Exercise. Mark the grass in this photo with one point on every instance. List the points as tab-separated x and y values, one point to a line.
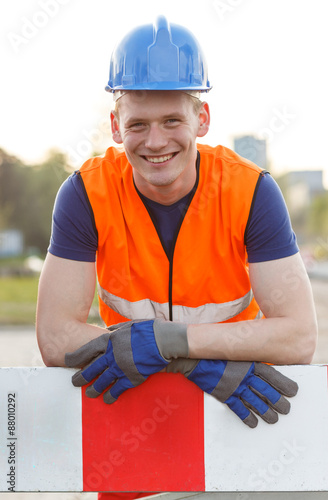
18	296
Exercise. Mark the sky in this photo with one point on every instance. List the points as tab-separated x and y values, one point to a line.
267	63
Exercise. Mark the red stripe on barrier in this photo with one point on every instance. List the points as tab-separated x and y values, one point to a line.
151	439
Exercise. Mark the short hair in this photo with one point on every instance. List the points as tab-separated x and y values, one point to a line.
197	104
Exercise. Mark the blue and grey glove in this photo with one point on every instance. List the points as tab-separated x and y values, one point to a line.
126	356
246	388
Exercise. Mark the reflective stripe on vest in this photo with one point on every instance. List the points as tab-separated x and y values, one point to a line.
148	309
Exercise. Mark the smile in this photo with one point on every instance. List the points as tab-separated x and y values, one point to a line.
159	159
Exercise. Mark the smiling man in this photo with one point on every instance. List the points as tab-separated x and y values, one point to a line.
197	265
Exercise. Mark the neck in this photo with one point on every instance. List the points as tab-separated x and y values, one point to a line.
165	195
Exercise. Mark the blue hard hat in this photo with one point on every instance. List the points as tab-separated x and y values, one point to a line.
158	56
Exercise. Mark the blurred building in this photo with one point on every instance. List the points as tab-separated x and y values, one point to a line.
252	149
11	243
300	187
312	179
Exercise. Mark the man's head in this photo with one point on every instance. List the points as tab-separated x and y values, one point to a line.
156	76
158	130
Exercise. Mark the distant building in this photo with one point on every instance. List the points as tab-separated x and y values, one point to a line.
312	179
252	149
11	243
300	187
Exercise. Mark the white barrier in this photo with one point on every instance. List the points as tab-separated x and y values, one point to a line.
165	435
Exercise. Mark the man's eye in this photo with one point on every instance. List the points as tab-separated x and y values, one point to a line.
172	120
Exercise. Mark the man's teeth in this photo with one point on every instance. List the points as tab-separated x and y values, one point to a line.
159	159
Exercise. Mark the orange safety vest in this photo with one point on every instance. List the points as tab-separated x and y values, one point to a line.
206	279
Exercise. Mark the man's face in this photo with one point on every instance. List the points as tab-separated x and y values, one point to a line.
158	130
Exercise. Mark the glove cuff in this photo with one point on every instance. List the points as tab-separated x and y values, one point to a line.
171	339
182	365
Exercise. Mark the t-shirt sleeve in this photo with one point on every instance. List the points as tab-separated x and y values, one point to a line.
269	234
73	234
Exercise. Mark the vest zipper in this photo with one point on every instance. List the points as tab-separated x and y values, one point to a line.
171	253
170	257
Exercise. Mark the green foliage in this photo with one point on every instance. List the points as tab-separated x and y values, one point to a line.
27	195
318	216
310	219
18	300
18	297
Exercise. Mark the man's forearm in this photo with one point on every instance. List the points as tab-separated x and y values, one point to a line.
55	340
271	340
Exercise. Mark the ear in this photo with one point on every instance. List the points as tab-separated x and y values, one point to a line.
204	120
115	128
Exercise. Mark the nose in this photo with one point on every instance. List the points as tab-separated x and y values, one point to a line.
156	138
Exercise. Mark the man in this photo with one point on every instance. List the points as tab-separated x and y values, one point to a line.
193	246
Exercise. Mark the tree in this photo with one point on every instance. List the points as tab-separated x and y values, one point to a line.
12	186
27	195
318	216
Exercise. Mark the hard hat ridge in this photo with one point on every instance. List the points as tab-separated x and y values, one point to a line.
163	55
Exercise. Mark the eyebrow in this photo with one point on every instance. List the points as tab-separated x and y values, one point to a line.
164	117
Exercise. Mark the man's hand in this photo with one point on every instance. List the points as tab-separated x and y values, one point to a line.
247	388
126	356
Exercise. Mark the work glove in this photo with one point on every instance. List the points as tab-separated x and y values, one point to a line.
127	355
247	388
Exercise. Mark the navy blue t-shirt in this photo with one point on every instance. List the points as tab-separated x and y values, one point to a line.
269	234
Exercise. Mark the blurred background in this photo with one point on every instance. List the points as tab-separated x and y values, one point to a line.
267	64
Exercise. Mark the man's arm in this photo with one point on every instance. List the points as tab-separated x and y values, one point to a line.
287	334
66	292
